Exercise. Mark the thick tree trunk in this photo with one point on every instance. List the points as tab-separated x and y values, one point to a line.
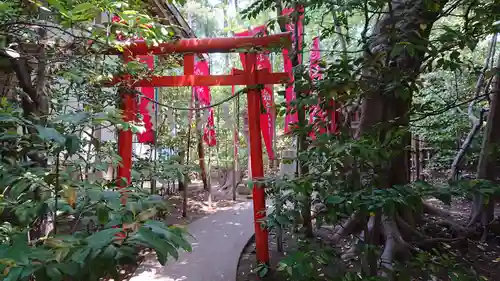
385	112
388	84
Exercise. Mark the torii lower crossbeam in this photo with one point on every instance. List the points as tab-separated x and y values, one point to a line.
264	77
250	77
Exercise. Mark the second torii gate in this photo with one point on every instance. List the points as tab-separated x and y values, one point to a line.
251	77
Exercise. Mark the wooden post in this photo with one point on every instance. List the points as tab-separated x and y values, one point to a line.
128	105
417	158
236	138
256	164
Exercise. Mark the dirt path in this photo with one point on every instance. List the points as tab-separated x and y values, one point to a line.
198	206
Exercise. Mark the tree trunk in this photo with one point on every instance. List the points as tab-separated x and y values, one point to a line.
488	159
201	150
386	111
388	84
236	138
418	167
476	122
35	104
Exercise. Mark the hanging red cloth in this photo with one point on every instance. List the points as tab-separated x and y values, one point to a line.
315	111
290	95
205	98
146	106
328	119
267	121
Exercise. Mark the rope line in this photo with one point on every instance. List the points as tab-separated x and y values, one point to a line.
236	94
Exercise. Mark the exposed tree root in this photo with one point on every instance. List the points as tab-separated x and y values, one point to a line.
476	215
433	243
373	230
456	227
409	231
482	215
352	253
372	237
397	237
476	210
431	210
448	220
394	243
348	227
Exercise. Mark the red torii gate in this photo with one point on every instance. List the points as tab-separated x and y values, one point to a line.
251	77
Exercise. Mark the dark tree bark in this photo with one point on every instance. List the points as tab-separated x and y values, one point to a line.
201	150
389	74
35	104
476	122
489	157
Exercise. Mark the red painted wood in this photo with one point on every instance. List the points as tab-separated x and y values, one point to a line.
256	162
128	105
188	64
209	45
263	77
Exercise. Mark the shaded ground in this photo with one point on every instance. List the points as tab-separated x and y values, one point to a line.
483	257
198	205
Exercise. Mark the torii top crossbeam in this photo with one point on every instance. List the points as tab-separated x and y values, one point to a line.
189	47
208	45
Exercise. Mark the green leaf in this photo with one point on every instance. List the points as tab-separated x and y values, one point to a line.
161	246
14	274
53	273
102	214
19	250
83	7
281	266
57	4
109	253
146	214
170	233
262	269
334	199
72	144
177	236
70	268
50	134
126	252
102	238
81	255
73	118
61	253
110	195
